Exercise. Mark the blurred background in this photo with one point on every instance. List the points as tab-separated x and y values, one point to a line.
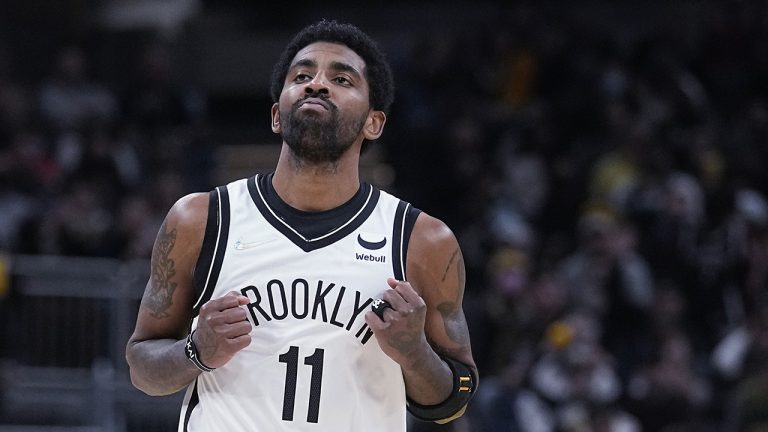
603	165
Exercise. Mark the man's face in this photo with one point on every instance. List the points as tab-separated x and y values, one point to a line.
324	104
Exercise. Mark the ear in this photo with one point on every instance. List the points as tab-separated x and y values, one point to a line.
374	126
276	119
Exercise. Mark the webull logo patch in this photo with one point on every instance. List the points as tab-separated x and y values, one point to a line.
375	245
367	246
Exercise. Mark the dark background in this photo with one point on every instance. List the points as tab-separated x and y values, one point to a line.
601	163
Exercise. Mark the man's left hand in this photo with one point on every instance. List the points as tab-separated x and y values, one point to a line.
401	331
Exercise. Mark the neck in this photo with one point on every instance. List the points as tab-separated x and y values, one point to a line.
316	187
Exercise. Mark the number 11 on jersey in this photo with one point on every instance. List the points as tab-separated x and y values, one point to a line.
315	361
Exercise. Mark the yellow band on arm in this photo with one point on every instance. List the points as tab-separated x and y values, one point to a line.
464	386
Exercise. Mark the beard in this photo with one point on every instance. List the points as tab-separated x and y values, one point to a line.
314	138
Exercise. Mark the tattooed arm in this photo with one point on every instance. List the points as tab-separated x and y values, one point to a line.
155	351
427	320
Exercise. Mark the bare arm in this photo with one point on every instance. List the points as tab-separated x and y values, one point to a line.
427	320
155	351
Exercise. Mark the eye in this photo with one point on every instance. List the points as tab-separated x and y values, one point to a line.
343	80
301	77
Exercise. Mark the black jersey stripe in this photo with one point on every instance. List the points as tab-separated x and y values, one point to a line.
405	219
398	254
208	249
411	214
219	248
256	188
194	400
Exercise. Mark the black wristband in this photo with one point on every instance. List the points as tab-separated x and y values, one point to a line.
190	349
464	385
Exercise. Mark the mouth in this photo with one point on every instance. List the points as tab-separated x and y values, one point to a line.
315	103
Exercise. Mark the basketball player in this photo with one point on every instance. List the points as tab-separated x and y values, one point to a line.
304	299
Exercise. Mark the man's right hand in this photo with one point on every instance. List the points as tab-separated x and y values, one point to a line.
222	330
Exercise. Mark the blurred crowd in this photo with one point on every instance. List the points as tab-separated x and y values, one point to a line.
607	185
90	168
610	197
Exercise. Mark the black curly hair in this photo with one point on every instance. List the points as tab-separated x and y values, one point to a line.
377	69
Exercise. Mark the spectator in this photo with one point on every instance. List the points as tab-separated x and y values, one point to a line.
70	98
670	391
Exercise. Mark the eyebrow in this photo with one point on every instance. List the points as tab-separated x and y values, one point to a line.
304	63
344	67
337	66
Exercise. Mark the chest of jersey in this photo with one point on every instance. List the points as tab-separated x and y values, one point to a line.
309	287
311	355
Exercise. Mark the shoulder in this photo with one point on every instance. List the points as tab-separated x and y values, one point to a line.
430	233
184	226
189	212
180	238
433	253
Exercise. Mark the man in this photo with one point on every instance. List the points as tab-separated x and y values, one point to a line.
315	301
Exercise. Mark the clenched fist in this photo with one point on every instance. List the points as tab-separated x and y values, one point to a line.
222	330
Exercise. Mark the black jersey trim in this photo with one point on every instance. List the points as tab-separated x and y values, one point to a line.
256	187
405	219
218	216
194	400
207	250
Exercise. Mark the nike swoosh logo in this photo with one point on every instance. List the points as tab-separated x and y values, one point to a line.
241	245
371	245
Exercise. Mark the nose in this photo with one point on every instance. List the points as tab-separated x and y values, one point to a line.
317	85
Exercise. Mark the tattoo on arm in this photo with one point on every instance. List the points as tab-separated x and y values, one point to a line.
454	323
450	262
160	293
461	271
453	318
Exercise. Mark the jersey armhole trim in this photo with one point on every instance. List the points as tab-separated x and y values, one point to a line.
214	245
405	219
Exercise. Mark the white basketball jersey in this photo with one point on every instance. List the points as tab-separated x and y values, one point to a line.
313	363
